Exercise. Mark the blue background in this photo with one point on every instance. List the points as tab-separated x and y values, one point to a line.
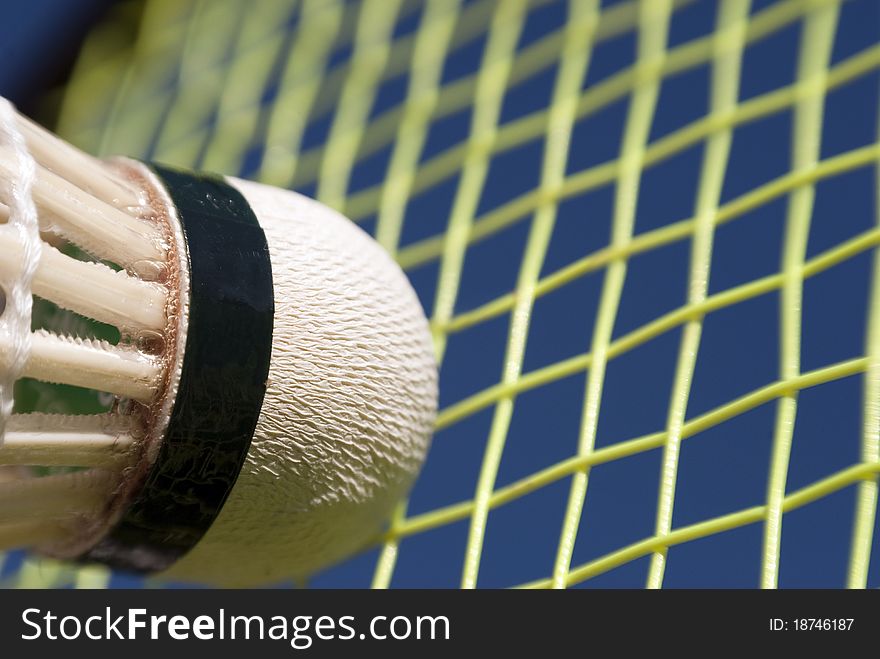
723	469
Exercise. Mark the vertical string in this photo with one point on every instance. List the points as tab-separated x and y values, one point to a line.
15	319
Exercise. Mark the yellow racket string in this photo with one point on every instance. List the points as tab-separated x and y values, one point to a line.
234	87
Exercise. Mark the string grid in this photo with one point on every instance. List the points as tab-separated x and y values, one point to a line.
312	95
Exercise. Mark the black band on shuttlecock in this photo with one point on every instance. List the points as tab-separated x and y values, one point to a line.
222	381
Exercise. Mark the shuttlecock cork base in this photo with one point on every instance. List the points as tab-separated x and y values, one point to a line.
275	387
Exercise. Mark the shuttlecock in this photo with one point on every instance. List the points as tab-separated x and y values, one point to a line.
274	386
